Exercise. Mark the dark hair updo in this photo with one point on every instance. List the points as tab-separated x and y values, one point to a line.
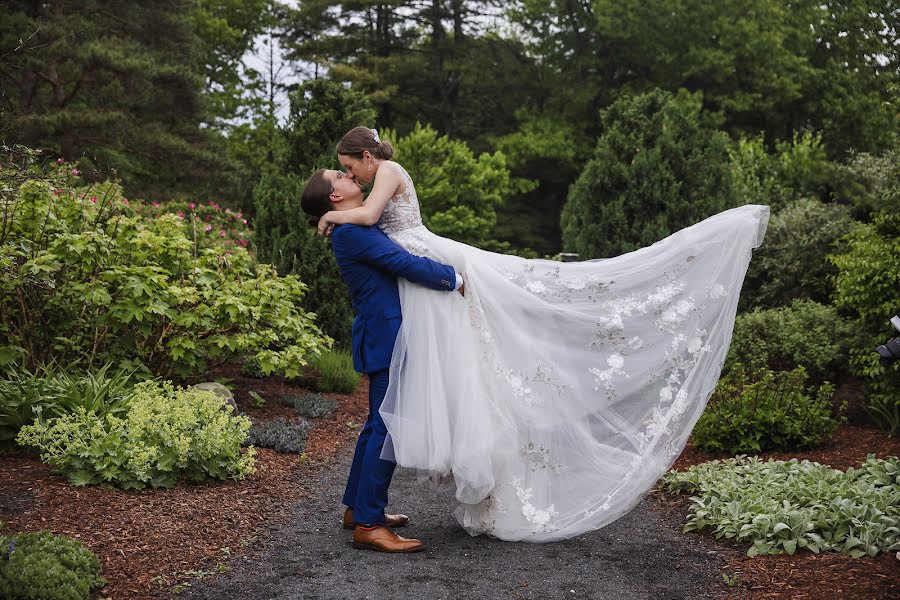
315	199
359	139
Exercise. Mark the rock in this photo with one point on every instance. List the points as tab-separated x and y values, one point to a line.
221	391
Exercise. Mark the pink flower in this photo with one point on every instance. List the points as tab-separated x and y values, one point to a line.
180	215
208	228
94	199
222	233
125	201
57	192
206	218
192	206
245	221
75	172
155	204
59	160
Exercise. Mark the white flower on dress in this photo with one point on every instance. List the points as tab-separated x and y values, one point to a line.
536	287
615	361
665	394
695	344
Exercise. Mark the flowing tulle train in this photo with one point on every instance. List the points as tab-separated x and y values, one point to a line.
554	395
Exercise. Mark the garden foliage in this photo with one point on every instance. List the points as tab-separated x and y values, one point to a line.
868	286
770	411
280	435
313	406
87	280
43	566
52	392
167	434
334	372
657	168
802	334
780	507
793	261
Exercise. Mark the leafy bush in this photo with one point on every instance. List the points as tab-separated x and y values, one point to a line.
167	433
793	263
805	334
280	435
53	392
458	193
869	182
206	225
313	406
780	506
43	566
797	168
773	412
335	372
250	367
868	285
86	281
655	170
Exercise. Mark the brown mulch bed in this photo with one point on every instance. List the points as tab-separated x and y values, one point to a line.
806	575
152	540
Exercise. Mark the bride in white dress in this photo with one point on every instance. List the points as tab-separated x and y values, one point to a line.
553	395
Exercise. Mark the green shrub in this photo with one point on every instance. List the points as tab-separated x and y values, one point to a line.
167	433
87	280
780	506
206	225
312	406
53	392
797	168
335	372
250	367
793	261
805	334
868	285
656	169
770	413
43	566
280	435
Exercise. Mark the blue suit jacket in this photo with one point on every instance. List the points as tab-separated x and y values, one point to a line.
370	263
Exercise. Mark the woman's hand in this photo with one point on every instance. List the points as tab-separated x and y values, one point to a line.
325	226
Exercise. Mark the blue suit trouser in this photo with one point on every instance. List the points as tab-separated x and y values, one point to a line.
370	476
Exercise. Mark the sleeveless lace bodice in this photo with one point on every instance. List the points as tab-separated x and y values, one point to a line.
402	210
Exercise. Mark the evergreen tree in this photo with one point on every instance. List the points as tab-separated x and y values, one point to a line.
321	112
112	87
656	169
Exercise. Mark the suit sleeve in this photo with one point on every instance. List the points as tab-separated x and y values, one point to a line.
372	246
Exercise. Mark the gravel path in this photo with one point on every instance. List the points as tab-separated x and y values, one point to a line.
309	557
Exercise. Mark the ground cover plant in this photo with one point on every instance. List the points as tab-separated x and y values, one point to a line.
167	434
313	406
279	434
782	506
43	566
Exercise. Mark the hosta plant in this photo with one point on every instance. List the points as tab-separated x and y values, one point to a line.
167	434
782	506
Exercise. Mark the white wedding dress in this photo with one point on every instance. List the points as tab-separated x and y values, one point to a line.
554	395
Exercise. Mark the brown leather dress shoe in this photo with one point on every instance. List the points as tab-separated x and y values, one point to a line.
382	539
389	520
